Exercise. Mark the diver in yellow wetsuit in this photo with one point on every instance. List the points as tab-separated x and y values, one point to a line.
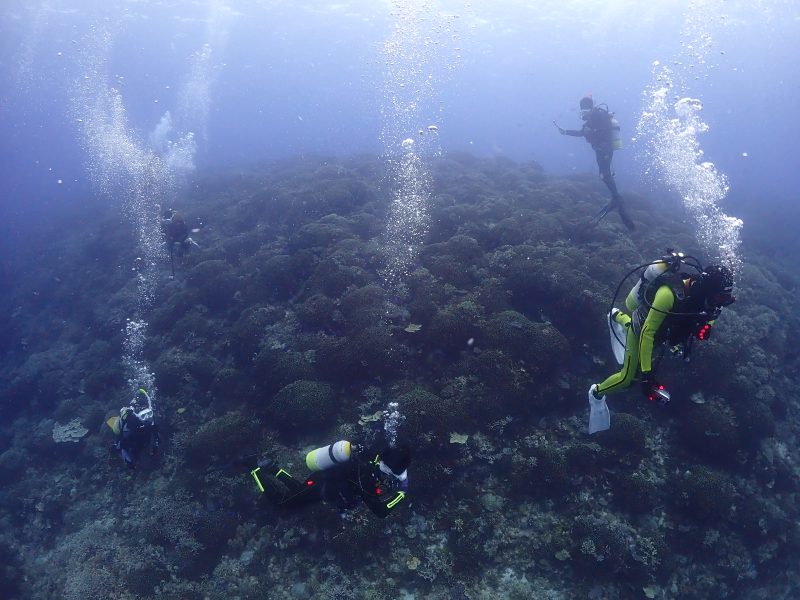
667	307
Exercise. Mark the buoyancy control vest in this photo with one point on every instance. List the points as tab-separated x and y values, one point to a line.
600	128
687	315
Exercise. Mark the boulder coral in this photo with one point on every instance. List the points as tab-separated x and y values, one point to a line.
283	332
304	405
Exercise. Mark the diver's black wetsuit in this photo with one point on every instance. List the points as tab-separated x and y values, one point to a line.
134	435
176	232
345	486
598	132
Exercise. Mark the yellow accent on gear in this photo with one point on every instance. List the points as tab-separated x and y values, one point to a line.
254	473
398	498
662	303
623	378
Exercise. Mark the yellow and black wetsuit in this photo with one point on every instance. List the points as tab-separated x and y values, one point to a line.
669	316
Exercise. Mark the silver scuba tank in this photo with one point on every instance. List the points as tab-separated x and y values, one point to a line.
636	295
616	139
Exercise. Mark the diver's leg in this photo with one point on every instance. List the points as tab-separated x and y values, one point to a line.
630	366
273	488
604	164
292	484
300	493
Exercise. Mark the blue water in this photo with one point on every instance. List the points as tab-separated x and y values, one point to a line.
116	107
291	79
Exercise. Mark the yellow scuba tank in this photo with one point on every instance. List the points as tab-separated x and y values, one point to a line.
328	456
616	140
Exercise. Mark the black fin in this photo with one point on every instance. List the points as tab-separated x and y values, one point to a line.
626	219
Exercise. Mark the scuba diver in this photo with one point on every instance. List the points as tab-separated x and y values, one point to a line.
134	430
343	475
667	306
177	233
601	130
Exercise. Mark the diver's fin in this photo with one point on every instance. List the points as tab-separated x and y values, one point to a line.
603	212
618	337
599	417
626	219
113	423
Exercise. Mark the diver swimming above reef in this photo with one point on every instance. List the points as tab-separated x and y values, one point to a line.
343	475
668	306
176	233
601	130
134	430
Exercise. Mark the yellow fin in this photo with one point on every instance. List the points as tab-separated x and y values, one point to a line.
413	328
113	423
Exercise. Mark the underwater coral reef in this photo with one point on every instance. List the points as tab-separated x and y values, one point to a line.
277	336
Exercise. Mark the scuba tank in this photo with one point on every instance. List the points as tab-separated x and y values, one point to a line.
616	140
649	275
671	262
328	456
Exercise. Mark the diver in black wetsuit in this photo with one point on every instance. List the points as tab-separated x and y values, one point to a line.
343	476
601	131
176	233
134	431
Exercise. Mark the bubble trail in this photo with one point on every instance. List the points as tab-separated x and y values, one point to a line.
124	169
670	127
410	80
392	420
416	61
